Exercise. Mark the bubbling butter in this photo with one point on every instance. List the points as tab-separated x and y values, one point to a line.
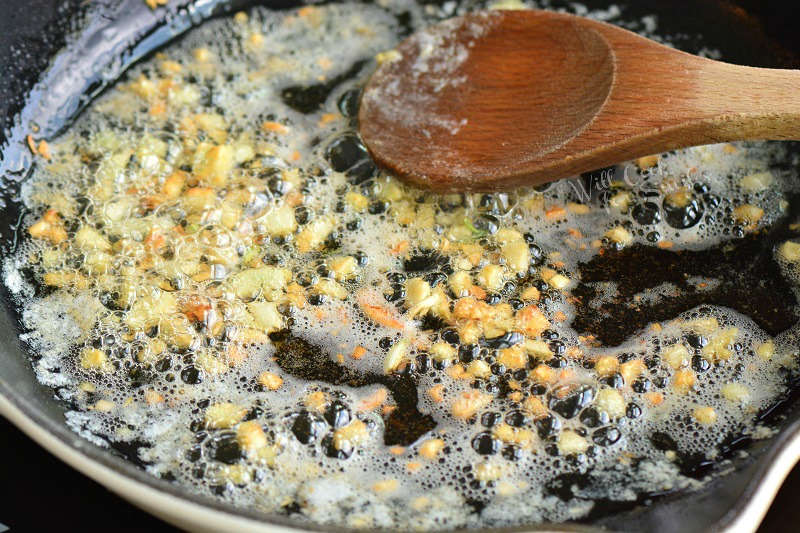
215	271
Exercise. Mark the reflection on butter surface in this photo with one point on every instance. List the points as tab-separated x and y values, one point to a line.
216	276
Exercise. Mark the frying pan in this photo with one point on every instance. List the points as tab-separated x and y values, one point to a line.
56	55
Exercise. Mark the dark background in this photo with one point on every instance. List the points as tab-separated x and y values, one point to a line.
40	493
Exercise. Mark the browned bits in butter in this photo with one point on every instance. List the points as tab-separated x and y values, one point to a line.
251	436
153	4
221	263
270	380
469	403
49	227
431	448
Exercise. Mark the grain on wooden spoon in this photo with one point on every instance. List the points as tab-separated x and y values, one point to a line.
499	99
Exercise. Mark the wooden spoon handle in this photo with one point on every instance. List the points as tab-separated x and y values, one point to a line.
699	101
540	96
750	103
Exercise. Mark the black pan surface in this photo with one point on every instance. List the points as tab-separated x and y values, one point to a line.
753	32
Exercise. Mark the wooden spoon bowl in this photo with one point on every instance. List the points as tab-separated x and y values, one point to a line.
500	99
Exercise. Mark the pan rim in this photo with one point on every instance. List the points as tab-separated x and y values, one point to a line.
168	501
182	508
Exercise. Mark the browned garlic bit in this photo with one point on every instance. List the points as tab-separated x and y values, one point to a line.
215	268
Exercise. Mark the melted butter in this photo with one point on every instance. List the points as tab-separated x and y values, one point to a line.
226	284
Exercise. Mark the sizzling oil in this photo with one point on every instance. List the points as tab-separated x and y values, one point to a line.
667	288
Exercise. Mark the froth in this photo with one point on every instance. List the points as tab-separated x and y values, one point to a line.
322	445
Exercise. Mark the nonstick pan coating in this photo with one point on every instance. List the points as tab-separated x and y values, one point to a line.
752	32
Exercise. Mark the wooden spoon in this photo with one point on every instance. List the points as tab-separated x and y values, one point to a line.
500	99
